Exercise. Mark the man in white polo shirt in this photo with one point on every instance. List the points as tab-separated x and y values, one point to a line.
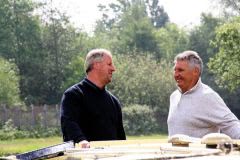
196	109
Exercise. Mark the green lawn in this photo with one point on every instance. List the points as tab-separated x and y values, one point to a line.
26	145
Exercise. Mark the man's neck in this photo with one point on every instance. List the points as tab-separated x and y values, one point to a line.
193	86
94	79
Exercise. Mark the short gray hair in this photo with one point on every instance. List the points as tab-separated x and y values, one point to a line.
193	59
95	55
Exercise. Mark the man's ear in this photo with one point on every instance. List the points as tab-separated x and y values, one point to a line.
196	71
96	65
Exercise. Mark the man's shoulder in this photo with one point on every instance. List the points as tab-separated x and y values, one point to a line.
175	93
113	97
206	93
207	90
76	88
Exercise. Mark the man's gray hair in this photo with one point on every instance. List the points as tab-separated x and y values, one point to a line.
193	59
95	55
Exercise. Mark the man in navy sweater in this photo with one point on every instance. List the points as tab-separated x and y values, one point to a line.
89	112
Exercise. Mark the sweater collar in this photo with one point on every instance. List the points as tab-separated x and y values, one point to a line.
91	84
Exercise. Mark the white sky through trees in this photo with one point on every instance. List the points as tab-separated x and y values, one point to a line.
84	13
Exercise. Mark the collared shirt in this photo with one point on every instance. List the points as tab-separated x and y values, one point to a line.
200	111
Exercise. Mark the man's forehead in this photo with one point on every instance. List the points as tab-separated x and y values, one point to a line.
107	58
108	55
181	62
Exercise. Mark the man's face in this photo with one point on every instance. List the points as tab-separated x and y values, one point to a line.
185	76
106	69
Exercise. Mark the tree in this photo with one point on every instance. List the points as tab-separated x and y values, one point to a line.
113	12
158	16
20	41
41	44
170	40
132	26
142	80
225	63
134	31
58	47
229	7
201	36
74	72
9	82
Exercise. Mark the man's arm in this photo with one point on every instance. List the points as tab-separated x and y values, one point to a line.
221	116
121	132
69	117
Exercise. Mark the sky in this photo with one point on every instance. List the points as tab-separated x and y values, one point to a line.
84	13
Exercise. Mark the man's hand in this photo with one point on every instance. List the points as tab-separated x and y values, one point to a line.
83	144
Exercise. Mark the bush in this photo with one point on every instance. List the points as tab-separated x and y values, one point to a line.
139	119
10	132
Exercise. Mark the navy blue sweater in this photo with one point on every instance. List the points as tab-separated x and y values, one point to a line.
90	113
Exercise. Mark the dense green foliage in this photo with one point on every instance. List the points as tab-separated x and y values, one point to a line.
20	41
58	48
170	40
139	119
74	72
226	63
9	82
201	36
40	47
142	80
229	7
9	132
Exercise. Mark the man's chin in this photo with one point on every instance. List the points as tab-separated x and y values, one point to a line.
109	80
179	85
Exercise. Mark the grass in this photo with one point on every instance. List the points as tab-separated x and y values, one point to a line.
25	145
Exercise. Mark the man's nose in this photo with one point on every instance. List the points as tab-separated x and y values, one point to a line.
113	68
176	73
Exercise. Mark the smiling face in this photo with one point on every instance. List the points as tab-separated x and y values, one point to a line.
185	76
105	69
